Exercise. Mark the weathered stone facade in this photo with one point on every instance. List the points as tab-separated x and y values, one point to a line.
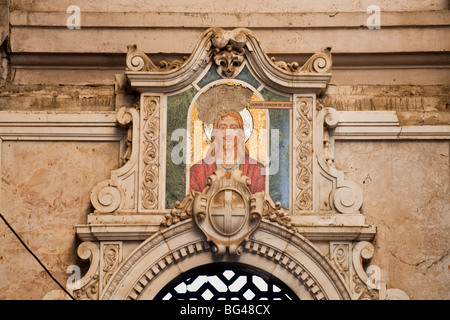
60	90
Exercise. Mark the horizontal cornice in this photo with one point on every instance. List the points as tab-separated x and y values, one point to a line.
253	20
103	126
278	32
340	60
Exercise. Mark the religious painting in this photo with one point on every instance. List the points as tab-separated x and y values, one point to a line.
225	134
211	125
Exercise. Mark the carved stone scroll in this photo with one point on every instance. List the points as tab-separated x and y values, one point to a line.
339	194
363	282
134	187
87	288
119	192
320	62
104	259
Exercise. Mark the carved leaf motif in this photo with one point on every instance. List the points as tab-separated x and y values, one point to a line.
111	261
320	62
150	152
139	61
290	67
171	65
275	213
89	292
229	50
150	155
340	255
362	292
180	212
229	61
304	152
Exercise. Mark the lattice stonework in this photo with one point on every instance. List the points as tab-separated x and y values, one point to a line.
225	282
303	153
150	126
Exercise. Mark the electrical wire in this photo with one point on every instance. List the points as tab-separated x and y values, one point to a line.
37	259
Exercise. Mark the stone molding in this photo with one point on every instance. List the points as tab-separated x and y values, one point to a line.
21	18
103	126
114	61
273	254
383	125
60	126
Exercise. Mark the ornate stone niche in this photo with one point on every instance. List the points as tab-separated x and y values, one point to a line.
149	226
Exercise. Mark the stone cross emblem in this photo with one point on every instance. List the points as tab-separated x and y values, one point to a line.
226	211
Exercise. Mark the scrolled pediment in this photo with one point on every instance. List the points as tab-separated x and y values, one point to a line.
228	50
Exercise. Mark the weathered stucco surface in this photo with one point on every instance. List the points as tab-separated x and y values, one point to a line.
45	192
414	104
406	188
57	98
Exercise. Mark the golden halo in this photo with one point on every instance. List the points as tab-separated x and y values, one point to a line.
221	98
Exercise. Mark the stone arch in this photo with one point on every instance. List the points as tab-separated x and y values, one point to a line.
272	248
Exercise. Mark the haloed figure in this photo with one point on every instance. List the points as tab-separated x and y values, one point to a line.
228	151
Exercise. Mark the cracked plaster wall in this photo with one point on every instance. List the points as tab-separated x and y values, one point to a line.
45	192
406	195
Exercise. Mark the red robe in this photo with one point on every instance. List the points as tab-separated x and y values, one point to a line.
200	172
